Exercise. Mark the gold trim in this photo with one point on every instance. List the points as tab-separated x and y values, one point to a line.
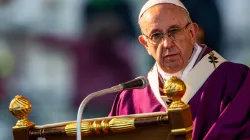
122	124
105	126
174	89
42	133
179	109
213	60
97	128
160	118
101	126
182	131
20	108
86	129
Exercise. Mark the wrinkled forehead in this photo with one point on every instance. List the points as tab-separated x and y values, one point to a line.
167	14
163	10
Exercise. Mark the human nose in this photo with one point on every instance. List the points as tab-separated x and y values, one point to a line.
166	40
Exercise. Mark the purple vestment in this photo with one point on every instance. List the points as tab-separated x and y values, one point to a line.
220	108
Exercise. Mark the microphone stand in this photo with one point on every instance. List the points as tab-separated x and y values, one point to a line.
87	99
139	82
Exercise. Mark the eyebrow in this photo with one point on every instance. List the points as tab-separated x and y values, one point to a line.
154	31
174	26
158	30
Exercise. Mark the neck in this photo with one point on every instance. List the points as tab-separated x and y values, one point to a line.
165	76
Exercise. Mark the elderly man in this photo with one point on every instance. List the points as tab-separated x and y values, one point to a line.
217	90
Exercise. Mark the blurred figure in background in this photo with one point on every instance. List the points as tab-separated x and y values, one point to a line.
102	53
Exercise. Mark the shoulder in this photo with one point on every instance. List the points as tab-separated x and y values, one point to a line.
231	72
227	66
231	67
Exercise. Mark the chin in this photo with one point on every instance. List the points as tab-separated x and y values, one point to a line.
171	71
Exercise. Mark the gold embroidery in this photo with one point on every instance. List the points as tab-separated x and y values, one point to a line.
213	59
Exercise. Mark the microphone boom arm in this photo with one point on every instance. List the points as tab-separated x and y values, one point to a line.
87	99
139	82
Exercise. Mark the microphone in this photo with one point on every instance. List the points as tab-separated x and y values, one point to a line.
139	82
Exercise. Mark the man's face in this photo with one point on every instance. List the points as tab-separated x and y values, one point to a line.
172	55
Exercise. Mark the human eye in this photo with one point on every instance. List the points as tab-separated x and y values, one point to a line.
156	36
173	31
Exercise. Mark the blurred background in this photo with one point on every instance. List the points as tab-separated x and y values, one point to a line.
56	52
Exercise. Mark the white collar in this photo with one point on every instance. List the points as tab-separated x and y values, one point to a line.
182	74
193	80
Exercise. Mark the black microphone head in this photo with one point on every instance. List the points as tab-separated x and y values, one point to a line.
144	81
139	82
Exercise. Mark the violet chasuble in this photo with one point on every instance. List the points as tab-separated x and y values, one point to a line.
218	93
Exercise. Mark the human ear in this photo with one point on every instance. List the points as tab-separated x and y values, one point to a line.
193	31
144	42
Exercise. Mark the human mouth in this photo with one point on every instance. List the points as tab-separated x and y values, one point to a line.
173	58
170	56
